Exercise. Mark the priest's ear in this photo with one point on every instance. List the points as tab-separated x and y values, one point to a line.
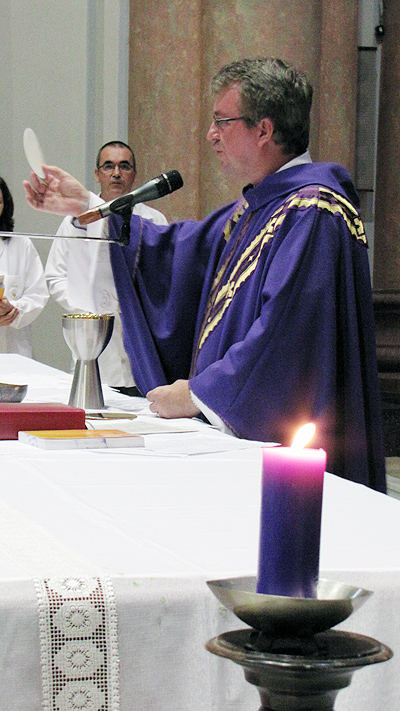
266	130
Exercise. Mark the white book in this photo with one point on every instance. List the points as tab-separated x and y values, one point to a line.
80	439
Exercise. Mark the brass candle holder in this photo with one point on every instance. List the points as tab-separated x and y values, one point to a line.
290	652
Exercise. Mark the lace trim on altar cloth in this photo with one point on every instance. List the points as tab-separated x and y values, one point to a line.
78	644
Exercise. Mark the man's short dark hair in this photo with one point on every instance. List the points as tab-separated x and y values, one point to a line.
269	87
116	143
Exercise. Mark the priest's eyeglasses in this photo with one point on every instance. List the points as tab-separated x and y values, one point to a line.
123	167
220	122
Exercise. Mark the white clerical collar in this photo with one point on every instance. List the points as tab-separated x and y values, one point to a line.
298	160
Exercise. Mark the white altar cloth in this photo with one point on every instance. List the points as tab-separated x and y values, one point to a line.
159	527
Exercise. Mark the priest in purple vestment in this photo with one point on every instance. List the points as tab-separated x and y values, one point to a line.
259	316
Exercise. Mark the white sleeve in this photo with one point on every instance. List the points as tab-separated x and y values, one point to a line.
56	266
149	213
57	262
211	416
34	294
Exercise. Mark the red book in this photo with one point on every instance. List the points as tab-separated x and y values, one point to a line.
17	416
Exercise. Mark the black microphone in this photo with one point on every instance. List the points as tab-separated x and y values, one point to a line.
164	184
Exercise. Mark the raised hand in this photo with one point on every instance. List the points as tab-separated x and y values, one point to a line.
60	193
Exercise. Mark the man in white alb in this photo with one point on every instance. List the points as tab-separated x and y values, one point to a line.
78	273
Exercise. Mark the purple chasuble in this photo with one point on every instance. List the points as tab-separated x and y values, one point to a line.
266	305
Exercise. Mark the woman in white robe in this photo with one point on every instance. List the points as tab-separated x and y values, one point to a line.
22	276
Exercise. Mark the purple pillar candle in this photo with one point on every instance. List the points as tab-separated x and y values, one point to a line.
292	483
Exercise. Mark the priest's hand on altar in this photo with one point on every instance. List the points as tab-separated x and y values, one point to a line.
172	400
59	192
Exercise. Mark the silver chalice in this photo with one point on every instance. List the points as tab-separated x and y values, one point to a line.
87	335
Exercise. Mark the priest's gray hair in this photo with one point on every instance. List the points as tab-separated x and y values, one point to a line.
269	87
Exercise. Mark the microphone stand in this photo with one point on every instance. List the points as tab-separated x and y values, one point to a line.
124	210
126	215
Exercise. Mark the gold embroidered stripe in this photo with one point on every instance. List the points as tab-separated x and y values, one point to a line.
353	222
240	209
320	198
228	290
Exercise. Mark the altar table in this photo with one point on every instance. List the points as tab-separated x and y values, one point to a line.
149	528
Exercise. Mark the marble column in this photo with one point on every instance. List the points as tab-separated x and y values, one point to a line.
164	96
387	201
176	47
338	83
233	29
387	212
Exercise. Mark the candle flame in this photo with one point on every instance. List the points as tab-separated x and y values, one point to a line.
303	435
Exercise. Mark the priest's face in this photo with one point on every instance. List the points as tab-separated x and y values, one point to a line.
115	174
235	144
